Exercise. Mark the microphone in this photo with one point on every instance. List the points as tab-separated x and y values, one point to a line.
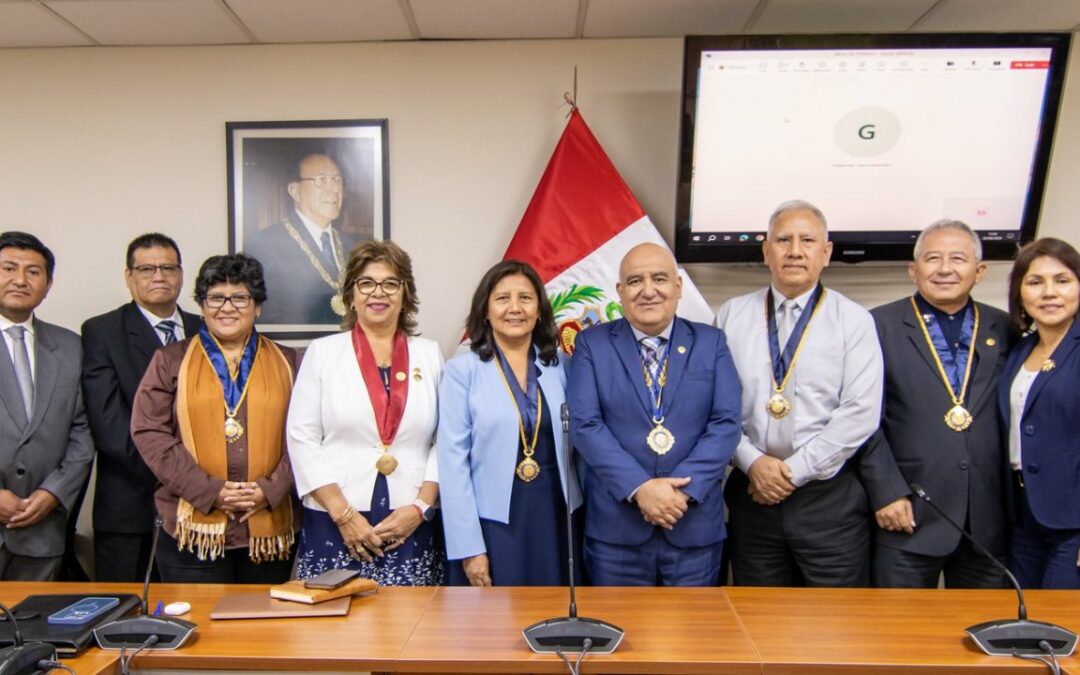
22	658
572	633
1009	637
149	632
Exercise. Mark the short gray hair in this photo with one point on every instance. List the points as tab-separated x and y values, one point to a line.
948	224
798	205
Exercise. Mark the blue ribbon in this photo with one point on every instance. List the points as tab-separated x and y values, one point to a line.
526	400
954	363
655	389
781	361
233	389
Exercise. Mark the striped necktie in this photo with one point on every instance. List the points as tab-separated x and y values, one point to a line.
167	329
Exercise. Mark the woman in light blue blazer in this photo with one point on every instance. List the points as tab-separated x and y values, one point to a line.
501	457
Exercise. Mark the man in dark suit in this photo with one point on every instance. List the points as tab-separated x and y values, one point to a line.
304	256
654	404
117	347
940	426
45	445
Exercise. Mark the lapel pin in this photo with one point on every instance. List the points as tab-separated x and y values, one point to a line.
416	374
399	376
681	349
990	342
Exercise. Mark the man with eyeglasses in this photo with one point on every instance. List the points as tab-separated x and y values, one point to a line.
117	347
304	256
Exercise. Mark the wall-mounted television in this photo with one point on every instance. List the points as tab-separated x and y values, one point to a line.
885	133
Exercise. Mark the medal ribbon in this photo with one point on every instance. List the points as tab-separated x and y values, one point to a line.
389	409
955	363
235	389
783	363
656	381
525	415
969	357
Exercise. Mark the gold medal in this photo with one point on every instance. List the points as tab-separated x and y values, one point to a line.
233	429
337	304
527	470
660	440
778	406
958	418
386	464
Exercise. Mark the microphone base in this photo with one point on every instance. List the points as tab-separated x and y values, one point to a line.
23	659
568	634
133	631
1007	636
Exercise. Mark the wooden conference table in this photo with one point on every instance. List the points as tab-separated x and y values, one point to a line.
711	630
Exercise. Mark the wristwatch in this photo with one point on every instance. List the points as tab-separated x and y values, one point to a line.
427	511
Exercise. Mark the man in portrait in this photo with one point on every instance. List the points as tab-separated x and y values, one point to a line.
940	427
117	347
304	254
654	408
811	373
45	445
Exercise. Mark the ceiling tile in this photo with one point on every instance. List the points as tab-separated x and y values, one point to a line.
322	20
495	19
1003	15
151	22
25	24
649	18
840	16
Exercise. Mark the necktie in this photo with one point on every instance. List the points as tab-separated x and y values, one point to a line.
785	322
168	330
650	351
328	253
23	374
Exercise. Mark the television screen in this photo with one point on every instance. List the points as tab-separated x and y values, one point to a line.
885	133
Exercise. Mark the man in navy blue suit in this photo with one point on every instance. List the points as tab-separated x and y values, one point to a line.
654	404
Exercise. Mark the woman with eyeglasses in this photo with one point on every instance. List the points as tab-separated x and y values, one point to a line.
361	432
209	420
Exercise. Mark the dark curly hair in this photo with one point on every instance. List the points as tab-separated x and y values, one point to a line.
231	269
388	252
479	330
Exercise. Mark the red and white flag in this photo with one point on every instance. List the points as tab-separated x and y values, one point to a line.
580	223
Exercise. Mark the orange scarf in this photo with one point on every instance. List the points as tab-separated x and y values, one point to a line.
200	413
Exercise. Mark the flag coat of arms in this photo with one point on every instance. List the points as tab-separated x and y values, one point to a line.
581	221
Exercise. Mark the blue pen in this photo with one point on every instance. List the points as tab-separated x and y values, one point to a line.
159	608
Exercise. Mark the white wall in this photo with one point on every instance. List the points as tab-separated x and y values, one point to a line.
100	144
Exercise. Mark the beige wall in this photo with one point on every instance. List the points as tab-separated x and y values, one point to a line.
98	145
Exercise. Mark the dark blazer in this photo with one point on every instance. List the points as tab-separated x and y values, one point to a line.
53	450
961	471
1049	431
117	347
297	292
611	413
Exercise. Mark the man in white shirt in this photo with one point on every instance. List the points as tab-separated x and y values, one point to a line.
45	445
117	348
811	372
304	256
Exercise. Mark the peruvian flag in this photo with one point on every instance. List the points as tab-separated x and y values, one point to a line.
580	223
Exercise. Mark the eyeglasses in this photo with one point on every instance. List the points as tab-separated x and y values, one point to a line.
389	286
150	270
323	180
216	301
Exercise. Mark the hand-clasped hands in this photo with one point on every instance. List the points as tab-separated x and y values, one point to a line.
16	512
241	500
770	481
365	542
662	501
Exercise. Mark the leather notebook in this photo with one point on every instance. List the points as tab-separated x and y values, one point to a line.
68	640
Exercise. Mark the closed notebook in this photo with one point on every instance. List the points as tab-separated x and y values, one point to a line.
296	592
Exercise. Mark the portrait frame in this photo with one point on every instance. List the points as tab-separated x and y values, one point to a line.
269	203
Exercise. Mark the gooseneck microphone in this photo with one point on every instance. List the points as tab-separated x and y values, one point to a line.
145	631
1009	637
572	633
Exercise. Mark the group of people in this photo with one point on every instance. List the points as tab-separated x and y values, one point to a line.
806	416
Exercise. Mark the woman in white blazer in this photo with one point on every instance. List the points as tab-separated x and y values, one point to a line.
361	432
501	456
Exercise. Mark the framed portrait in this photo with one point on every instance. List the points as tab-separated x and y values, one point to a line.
301	196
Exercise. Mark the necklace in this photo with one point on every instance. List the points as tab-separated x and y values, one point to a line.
527	469
958	417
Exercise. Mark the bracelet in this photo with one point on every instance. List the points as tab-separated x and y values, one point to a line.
418	510
348	514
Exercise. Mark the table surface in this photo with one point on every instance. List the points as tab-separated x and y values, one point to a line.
783	631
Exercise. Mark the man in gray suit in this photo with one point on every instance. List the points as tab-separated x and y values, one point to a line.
45	446
940	426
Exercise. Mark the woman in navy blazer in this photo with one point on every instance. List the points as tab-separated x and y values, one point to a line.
501	456
1039	396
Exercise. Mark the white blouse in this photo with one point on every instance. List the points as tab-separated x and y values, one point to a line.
1018	394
